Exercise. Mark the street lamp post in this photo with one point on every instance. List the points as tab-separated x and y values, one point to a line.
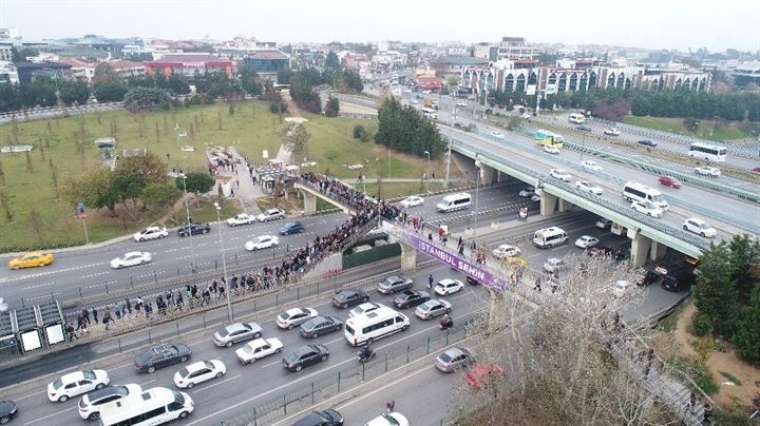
448	162
477	191
427	175
224	261
189	231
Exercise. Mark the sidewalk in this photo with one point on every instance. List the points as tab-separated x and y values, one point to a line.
245	190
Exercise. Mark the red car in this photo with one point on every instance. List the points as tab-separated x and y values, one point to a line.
669	181
479	375
756	170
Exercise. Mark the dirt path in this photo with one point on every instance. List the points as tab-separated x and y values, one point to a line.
727	362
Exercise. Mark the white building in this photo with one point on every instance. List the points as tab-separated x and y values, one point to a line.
8	73
6	51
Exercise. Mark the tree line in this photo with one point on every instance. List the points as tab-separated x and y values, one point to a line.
403	128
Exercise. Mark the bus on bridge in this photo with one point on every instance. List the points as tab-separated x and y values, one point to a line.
546	137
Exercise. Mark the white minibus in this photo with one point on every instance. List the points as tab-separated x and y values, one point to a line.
634	191
707	152
376	324
454	202
576	118
152	407
549	237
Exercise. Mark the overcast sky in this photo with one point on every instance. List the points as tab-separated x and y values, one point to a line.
678	24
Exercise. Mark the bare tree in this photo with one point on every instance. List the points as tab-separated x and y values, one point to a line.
158	133
54	177
29	166
219	120
5	203
2	174
559	352
35	221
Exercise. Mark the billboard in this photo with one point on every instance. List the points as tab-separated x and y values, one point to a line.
530	89
551	89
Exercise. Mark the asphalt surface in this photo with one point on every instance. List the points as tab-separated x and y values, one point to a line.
245	387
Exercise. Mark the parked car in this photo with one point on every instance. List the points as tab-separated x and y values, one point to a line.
295	317
432	308
262	242
31	260
305	356
394	284
412	201
76	383
319	326
327	417
648	209
258	349
611	131
669	181
199	372
471	281
364	308
648	142
535	198
8	410
505	250
448	286
699	227
349	297
527	192
554	264
454	358
551	149
586	241
589	187
292	228
707	171
389	419
271	214
91	404
194	229
241	219
410	298
560	174
649	277
603	223
236	333
678	280
132	258
151	233
479	375
591	166
160	356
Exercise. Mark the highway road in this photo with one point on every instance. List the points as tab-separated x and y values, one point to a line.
266	381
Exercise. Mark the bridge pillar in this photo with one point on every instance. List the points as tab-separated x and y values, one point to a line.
640	246
408	257
309	202
658	251
488	175
548	203
564	206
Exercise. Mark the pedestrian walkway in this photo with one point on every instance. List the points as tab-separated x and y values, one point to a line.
245	190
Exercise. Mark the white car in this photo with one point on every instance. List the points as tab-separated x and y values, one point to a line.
506	250
586	241
561	175
589	187
699	227
527	192
620	287
535	198
94	402
526	115
77	383
199	372
648	209
151	233
611	131
603	223
412	201
550	149
271	214
241	219
262	242
364	308
496	134
133	258
448	286
259	348
432	308
554	264
707	171
295	317
389	419
591	166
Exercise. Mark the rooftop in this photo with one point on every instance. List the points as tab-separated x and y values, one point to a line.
268	54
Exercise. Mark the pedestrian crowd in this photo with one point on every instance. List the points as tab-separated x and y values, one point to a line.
292	267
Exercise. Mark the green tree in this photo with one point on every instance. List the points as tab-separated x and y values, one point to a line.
715	296
333	107
112	91
404	129
747	337
160	195
197	183
332	61
148	168
745	265
360	132
104	73
691	124
297	139
74	92
250	83
90	187
146	99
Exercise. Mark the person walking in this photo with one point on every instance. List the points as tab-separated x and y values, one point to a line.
430	281
95	315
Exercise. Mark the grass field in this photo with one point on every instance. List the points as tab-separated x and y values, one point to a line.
251	129
705	130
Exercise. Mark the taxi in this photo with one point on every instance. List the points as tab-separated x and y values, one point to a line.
31	260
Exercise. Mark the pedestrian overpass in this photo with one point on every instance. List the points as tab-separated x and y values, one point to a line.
310	195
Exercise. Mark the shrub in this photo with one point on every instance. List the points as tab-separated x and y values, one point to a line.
360	132
702	325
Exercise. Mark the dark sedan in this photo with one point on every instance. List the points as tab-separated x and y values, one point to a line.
583	128
346	298
648	142
194	229
327	417
160	356
304	356
320	325
411	298
8	411
292	228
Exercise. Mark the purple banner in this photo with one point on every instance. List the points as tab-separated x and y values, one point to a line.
452	259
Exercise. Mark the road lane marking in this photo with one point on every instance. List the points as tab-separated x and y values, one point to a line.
213	385
147	383
50	415
21	398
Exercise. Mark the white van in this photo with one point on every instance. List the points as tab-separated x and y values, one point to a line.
549	237
454	202
618	230
634	191
376	324
152	407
